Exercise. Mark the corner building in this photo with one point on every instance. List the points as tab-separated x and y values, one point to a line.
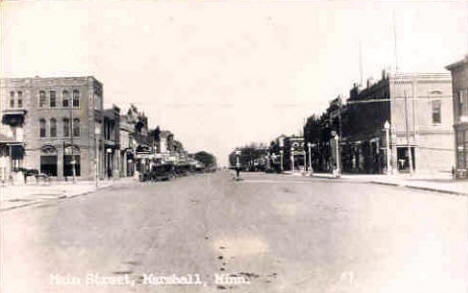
53	125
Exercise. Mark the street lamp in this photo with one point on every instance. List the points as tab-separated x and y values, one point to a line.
109	163
310	169
387	139
281	158
338	165
292	159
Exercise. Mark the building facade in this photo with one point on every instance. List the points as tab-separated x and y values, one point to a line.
52	125
112	142
459	71
127	148
418	108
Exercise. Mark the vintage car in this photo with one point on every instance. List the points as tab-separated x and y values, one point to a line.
162	172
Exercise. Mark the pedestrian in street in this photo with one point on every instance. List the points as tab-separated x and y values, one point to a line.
237	170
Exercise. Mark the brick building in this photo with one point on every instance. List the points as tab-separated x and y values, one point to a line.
459	72
52	125
112	142
419	110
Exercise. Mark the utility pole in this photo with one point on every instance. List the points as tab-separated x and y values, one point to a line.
410	155
72	145
395	42
387	139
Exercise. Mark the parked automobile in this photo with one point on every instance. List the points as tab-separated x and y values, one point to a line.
162	172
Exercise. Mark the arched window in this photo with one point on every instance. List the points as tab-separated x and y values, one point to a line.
42	99
53	127
66	127
66	99
12	99
20	99
48	149
42	128
76	99
76	127
53	99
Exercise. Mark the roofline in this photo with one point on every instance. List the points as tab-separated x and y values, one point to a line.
462	62
51	77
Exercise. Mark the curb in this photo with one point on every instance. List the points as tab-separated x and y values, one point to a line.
400	185
384	183
420	188
60	197
436	190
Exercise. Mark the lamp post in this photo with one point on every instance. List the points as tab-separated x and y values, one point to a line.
109	163
268	158
72	147
338	165
281	159
310	169
97	132
292	159
305	160
387	141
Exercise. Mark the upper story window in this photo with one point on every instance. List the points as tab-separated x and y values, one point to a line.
66	127
20	99
42	128
42	99
65	99
53	127
12	99
463	103
76	127
76	99
53	99
436	111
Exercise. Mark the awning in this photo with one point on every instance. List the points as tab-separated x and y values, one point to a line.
13	119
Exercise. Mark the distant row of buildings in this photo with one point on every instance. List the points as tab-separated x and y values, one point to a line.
59	127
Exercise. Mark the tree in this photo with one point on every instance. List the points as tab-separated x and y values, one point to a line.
206	158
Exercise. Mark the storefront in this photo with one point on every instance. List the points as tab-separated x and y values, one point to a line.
462	151
49	161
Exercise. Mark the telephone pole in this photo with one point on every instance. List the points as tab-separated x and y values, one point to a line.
410	155
72	147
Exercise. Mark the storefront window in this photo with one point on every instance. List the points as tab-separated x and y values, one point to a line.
466	149
462	147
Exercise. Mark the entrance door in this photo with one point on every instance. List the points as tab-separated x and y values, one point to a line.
49	165
403	159
68	166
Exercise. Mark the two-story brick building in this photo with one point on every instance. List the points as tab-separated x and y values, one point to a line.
418	108
53	125
459	71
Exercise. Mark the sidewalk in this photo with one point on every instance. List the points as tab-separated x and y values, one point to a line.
15	196
434	182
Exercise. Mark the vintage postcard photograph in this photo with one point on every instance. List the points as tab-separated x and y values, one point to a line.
245	146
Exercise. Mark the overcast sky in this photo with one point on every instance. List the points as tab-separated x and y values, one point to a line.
220	74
